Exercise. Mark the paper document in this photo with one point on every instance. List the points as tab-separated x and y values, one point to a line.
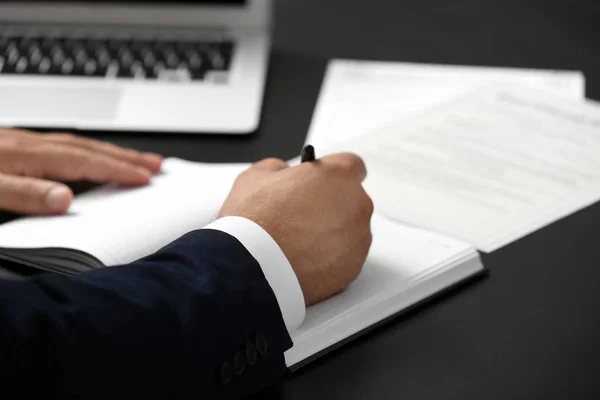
488	168
360	96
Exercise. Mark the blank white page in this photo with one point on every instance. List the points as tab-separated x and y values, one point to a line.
361	96
121	225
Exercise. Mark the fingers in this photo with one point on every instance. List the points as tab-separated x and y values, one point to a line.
33	196
150	161
346	162
74	164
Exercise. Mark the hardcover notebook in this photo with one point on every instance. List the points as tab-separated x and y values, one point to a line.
112	226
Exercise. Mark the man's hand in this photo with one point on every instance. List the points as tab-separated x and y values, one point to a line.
317	212
27	159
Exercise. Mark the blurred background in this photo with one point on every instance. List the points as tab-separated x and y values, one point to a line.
545	33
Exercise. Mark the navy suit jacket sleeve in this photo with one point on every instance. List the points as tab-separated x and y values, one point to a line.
196	320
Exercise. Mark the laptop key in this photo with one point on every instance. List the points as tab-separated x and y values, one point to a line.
217	60
21	65
90	67
171	60
125	57
35	57
44	66
148	59
194	60
138	71
67	67
12	57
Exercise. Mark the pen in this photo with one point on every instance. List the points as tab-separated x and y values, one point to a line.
308	154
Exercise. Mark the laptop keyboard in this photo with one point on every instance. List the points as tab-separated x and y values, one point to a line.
164	60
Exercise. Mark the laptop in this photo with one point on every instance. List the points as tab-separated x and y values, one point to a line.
144	66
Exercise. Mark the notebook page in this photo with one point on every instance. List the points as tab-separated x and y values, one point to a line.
400	259
488	168
362	96
121	225
400	256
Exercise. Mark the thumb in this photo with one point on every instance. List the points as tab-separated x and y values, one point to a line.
33	196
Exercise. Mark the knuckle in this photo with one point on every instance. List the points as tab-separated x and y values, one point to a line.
351	160
97	144
128	152
364	205
349	163
17	159
367	206
273	162
242	177
244	174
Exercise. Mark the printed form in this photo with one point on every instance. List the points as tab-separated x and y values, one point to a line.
361	96
487	168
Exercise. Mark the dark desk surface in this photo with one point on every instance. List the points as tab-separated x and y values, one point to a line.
529	331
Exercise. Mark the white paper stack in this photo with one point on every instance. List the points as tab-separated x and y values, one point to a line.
484	155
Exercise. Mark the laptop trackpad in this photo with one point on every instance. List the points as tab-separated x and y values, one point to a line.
59	102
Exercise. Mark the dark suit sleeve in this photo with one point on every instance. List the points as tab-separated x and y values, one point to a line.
196	320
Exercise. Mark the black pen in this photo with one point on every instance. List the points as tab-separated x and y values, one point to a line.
308	154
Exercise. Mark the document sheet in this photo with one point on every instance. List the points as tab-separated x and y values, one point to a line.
487	168
361	96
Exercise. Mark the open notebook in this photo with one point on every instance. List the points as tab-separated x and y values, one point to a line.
112	226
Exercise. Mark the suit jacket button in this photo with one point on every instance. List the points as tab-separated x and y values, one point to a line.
261	344
239	363
251	354
226	372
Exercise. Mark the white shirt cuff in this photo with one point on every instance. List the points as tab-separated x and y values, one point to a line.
274	264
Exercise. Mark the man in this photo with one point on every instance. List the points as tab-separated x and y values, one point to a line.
208	316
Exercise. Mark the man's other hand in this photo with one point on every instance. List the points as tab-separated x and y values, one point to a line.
29	161
317	212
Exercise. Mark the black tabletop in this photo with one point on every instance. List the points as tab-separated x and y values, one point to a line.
531	329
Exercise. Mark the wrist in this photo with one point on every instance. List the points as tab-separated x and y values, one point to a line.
273	262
